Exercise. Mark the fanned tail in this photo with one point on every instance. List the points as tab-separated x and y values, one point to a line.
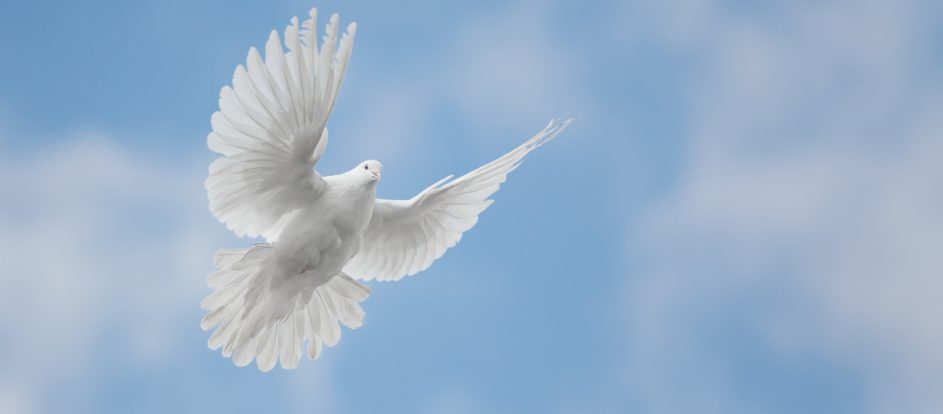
253	321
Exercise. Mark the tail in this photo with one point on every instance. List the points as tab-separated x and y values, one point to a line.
256	320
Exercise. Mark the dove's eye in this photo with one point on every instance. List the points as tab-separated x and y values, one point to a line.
365	167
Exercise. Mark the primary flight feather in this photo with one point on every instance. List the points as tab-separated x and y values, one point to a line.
277	300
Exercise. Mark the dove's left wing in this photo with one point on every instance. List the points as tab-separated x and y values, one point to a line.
405	236
271	128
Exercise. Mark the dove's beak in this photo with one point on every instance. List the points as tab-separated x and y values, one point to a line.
376	175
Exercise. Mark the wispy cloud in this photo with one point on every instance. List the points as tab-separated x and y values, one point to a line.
805	218
77	287
510	66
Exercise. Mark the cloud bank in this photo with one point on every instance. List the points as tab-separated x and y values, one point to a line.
806	217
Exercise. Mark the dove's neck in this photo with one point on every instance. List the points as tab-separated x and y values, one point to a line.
353	183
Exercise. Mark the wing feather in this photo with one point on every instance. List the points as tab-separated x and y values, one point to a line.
271	127
405	236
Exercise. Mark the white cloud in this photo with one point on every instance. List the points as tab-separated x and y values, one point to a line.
451	401
509	66
84	256
807	215
392	124
14	399
104	265
455	399
504	70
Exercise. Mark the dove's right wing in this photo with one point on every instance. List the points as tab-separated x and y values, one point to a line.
405	236
270	127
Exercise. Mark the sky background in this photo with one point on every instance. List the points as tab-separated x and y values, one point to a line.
745	217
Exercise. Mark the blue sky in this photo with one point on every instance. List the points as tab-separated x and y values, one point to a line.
744	217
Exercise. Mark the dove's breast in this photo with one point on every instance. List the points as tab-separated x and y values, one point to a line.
319	239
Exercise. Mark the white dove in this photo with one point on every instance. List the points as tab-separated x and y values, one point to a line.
322	233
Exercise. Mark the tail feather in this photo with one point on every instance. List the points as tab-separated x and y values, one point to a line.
314	341
330	332
347	287
254	322
290	342
244	354
223	334
348	312
266	355
227	257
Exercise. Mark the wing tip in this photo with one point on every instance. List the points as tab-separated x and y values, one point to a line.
553	128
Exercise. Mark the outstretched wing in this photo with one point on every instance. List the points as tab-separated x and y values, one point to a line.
271	127
405	236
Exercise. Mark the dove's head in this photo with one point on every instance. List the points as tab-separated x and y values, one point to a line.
370	170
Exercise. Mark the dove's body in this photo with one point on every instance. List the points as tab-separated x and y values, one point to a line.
319	239
272	299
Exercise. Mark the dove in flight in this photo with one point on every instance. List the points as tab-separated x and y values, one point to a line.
283	298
